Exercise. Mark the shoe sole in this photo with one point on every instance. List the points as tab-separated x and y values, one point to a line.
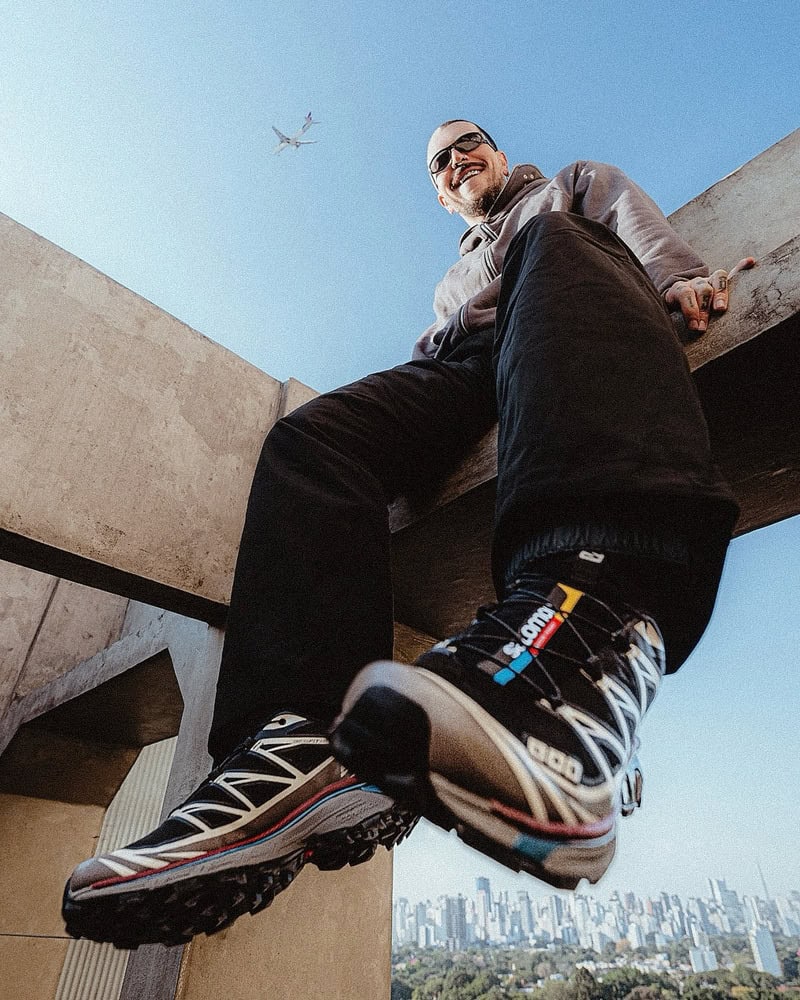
376	709
151	909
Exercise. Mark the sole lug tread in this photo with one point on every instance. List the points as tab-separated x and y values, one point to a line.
205	904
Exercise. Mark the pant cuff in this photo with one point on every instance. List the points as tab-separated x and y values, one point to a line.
606	538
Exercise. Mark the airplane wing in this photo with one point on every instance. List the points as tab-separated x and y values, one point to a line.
283	143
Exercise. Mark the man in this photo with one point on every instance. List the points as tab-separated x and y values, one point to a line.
610	533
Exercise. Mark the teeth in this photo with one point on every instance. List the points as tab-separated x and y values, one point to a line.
465	177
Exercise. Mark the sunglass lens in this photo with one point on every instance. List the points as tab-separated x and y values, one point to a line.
464	145
440	161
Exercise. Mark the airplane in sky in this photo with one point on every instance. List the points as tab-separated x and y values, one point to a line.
294	140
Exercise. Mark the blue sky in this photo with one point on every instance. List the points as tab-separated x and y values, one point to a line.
137	136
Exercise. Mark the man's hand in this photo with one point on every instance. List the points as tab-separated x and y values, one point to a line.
698	298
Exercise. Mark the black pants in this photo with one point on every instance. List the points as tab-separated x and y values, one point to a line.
602	444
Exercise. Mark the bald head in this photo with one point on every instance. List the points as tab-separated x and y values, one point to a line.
458	126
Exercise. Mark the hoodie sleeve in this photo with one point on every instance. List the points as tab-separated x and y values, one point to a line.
605	194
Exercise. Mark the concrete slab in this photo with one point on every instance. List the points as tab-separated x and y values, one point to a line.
101	392
747	213
262	955
79	622
30	967
33	830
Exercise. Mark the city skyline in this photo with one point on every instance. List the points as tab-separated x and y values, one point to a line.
505	881
722	885
490	915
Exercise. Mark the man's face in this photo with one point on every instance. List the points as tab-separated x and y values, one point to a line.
471	181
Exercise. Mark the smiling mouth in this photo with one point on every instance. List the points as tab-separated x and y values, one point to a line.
463	176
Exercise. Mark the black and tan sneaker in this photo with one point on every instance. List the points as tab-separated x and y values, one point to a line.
520	733
279	801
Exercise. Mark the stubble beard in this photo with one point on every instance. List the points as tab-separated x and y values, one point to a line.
478	207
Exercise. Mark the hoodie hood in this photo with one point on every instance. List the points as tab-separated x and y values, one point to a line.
524	178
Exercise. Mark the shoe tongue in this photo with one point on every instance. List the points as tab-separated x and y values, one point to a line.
504	639
534	610
532	592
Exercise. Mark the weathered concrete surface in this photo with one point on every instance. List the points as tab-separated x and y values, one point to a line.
30	966
748	213
24	598
263	956
133	721
79	622
47	628
30	829
100	393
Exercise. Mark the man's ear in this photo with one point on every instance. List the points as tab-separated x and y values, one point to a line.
443	202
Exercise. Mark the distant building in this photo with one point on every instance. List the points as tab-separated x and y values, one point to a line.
703	959
426	936
730	907
764	953
483	909
455	922
635	936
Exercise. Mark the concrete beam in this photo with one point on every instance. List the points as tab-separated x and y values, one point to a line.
127	439
47	627
747	213
104	669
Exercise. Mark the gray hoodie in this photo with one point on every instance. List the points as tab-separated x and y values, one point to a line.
465	299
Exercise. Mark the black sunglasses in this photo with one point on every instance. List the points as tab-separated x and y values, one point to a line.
463	144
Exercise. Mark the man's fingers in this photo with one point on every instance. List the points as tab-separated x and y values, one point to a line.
703	292
719	284
698	297
744	265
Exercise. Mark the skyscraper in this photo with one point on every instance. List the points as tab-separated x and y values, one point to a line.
483	908
764	954
455	922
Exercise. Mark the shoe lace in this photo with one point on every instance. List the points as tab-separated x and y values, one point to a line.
245	745
536	674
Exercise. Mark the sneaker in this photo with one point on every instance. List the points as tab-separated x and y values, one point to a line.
520	733
279	801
